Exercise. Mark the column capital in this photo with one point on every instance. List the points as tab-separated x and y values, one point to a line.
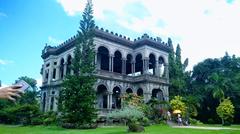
124	58
146	58
111	55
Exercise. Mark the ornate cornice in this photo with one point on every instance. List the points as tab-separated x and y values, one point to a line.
109	36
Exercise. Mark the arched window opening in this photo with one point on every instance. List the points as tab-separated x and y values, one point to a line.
54	73
140	92
152	64
44	102
138	65
161	66
52	103
158	94
46	74
102	96
61	68
129	91
103	58
116	102
129	64
69	63
117	62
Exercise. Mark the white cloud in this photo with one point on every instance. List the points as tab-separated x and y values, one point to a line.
39	82
54	41
5	62
72	7
205	28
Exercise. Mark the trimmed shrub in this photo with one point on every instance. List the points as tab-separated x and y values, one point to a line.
133	127
131	115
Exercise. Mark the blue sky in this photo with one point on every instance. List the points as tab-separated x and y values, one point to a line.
206	28
24	30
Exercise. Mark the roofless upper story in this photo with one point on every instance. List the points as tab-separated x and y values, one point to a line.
117	57
145	40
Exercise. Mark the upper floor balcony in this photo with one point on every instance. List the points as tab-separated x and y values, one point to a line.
132	68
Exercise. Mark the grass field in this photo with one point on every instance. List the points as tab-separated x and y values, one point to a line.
155	129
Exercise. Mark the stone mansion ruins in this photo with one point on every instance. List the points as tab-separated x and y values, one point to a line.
123	66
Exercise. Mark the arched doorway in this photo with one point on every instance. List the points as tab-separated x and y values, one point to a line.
129	64
102	96
116	102
139	65
52	103
103	58
152	64
129	91
44	102
117	62
158	94
61	68
140	92
69	63
161	66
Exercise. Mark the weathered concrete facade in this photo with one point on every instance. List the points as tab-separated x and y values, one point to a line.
123	66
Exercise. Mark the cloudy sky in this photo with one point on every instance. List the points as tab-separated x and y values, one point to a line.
203	28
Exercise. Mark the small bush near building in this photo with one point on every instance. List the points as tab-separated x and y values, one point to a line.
132	116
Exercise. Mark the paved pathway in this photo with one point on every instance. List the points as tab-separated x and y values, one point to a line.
174	125
207	128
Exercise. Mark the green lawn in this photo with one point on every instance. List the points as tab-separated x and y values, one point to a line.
155	129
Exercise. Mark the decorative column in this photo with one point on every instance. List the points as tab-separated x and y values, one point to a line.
157	69
145	65
64	69
57	72
161	73
48	101
50	73
133	67
147	96
110	100
56	100
111	62
44	74
98	61
95	58
124	60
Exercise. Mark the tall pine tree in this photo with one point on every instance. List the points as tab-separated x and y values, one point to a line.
78	95
177	74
